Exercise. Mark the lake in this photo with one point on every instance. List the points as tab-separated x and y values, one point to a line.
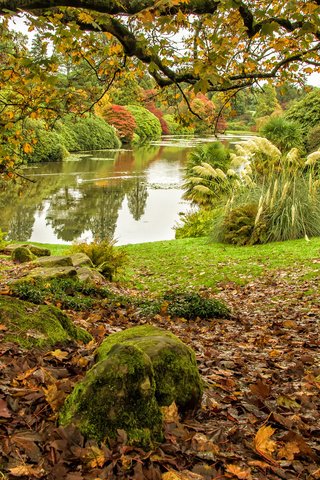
133	196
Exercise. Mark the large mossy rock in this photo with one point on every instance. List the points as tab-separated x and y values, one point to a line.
32	325
35	249
117	393
137	371
175	367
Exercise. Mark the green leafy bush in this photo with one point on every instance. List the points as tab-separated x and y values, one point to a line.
195	224
313	139
89	133
148	125
176	128
47	145
306	111
215	154
3	242
191	305
108	259
284	134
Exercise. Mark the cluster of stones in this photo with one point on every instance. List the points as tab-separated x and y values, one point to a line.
46	267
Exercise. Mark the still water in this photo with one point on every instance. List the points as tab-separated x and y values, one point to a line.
133	196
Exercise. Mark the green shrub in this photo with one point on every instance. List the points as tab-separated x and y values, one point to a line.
176	128
313	139
239	226
306	111
108	259
215	154
284	134
3	242
89	133
195	224
191	305
47	145
148	125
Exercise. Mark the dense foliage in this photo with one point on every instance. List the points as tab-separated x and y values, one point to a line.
148	125
120	118
306	111
88	133
284	134
226	47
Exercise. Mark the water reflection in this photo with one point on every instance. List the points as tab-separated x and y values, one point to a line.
134	196
83	196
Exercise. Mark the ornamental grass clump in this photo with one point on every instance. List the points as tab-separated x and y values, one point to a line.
266	196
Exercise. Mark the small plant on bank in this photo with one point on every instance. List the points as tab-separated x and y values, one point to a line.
67	293
3	241
191	305
103	254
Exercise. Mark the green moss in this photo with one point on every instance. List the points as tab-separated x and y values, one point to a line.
117	393
22	255
32	325
176	373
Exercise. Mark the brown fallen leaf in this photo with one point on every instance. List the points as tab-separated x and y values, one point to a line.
170	414
238	472
260	389
27	470
184	475
4	412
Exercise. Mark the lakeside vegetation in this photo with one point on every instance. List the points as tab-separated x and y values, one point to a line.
193	263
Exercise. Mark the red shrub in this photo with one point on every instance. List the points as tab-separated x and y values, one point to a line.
122	120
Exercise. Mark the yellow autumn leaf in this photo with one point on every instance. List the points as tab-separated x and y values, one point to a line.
239	472
58	354
96	457
170	413
27	470
262	442
27	148
288	451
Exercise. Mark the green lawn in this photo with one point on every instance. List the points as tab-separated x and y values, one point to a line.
195	262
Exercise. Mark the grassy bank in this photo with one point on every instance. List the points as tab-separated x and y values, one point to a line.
195	263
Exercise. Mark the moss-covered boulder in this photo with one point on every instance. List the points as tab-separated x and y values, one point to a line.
22	255
137	371
35	249
175	367
117	393
32	325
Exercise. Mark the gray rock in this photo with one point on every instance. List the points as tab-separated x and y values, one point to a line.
37	251
81	260
50	262
86	274
52	272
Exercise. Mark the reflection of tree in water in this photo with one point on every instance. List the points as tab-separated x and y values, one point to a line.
64	215
137	198
20	226
108	203
89	208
